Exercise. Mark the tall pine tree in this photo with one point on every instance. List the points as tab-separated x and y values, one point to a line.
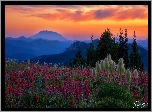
78	60
142	66
126	57
90	55
123	47
135	59
114	50
106	46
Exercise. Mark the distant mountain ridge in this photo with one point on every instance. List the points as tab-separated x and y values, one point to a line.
19	38
36	47
55	47
49	35
141	43
43	43
71	51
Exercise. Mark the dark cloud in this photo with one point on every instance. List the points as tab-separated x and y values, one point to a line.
78	12
99	14
60	10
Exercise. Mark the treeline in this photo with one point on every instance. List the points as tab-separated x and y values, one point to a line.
108	45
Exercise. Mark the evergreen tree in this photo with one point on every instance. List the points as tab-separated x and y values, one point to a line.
121	45
123	48
90	55
84	62
64	64
142	66
114	50
135	59
106	46
78	60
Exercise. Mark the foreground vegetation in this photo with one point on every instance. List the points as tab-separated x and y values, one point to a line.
107	85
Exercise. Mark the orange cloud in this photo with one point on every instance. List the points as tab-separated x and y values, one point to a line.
82	13
100	14
130	14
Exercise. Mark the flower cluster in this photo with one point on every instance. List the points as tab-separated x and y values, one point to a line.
30	85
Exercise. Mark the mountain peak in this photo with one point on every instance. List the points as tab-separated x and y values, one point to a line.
49	35
22	37
76	45
44	31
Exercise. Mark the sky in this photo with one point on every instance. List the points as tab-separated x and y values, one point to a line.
76	22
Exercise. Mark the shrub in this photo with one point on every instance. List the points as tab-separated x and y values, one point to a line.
113	95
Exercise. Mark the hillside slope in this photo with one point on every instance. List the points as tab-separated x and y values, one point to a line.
71	51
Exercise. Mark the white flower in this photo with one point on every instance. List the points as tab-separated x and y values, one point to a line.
136	73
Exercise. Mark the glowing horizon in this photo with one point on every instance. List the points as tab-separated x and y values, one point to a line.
76	21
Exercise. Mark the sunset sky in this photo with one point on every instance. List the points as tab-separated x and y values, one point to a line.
76	22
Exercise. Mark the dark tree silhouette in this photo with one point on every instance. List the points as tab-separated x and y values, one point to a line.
135	59
123	47
90	55
78	60
106	46
142	66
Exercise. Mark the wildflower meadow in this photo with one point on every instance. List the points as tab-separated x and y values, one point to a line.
107	85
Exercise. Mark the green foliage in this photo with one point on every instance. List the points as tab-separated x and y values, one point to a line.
78	60
123	47
107	64
58	90
90	56
114	52
142	66
106	46
102	64
64	64
113	95
128	76
135	59
120	67
111	64
98	66
136	73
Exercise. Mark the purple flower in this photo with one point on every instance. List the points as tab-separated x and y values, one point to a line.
82	85
40	81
